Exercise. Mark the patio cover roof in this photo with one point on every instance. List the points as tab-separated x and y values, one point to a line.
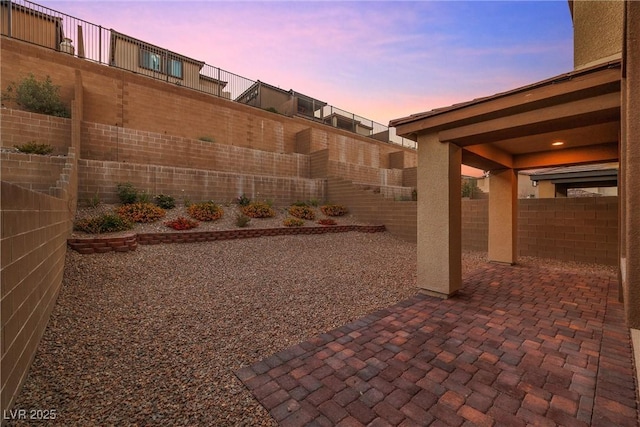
515	129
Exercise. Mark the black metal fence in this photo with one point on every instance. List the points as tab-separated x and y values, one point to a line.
33	23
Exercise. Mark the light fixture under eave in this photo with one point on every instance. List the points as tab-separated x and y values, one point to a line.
557	143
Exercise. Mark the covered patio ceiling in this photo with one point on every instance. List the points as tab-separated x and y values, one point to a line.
516	129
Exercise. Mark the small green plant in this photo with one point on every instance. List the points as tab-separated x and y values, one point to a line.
314	202
206	138
303	212
144	197
107	223
165	201
242	220
258	210
272	110
414	195
94	200
243	200
182	223
293	222
205	211
333	210
299	203
34	148
141	212
327	221
42	97
127	193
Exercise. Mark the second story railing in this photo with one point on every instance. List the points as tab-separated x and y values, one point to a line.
33	23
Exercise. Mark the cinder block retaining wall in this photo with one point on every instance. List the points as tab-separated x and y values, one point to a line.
35	227
571	229
100	178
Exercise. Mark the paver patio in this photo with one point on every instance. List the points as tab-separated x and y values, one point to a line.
517	346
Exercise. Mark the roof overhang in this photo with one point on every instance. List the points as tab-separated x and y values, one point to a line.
515	129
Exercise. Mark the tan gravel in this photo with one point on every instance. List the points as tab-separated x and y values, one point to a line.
152	337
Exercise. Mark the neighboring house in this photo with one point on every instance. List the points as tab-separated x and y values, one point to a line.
31	25
347	123
144	58
287	102
592	180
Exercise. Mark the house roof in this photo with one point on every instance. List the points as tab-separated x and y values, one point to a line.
516	129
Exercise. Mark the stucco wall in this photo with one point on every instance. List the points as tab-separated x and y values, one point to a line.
597	32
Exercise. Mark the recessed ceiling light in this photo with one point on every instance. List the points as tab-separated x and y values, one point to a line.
557	143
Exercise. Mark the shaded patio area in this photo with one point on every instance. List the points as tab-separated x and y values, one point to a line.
518	345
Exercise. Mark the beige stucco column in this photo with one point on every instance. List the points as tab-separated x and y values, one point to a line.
503	216
439	216
630	170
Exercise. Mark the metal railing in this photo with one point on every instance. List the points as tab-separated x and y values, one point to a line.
33	23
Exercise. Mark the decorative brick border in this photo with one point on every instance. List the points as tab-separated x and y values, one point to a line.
130	242
104	244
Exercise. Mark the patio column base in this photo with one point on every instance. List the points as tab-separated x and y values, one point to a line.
437	294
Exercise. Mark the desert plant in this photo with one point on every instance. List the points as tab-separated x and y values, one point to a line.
333	210
165	201
327	221
299	203
314	202
206	138
242	220
144	197
93	201
243	200
205	211
106	223
258	210
141	212
34	148
181	223
303	212
127	193
293	222
37	96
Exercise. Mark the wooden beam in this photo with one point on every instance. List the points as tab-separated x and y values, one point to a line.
568	157
597	109
492	157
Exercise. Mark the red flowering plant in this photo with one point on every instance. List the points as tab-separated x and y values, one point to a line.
327	221
141	212
333	210
182	223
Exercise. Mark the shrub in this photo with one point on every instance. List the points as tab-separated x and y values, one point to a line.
299	203
293	222
207	139
205	211
327	221
41	97
107	223
181	223
35	148
314	202
94	201
243	200
127	193
258	210
242	220
333	210
141	212
165	201
303	212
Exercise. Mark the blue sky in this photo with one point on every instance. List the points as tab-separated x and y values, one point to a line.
381	60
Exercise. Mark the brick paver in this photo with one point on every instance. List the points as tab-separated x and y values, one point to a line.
518	345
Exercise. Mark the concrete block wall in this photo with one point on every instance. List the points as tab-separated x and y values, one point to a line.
114	143
21	127
101	178
31	171
123	99
399	217
475	225
35	227
410	177
572	229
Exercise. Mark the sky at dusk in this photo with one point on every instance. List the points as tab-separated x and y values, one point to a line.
381	60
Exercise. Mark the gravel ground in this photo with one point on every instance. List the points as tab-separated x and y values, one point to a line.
152	337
